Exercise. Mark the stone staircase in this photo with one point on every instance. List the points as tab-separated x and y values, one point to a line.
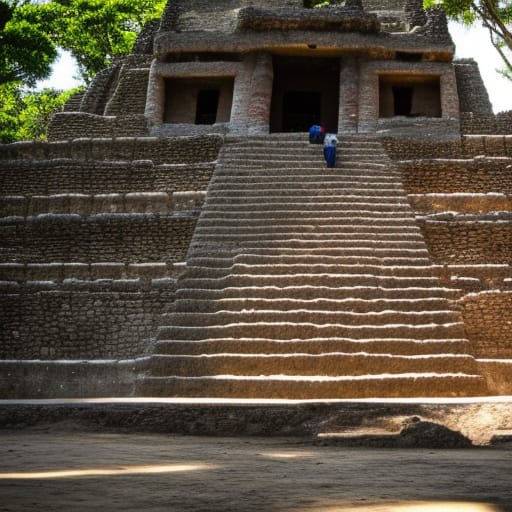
304	282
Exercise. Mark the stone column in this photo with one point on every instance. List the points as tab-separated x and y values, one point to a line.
368	100
241	97
449	94
155	100
261	95
348	116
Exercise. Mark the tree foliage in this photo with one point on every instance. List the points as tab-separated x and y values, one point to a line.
25	115
495	16
94	31
26	50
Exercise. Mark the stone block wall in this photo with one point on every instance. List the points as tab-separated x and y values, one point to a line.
93	234
70	125
80	320
98	238
488	320
384	5
456	176
406	148
486	124
468	242
176	150
462	195
504	122
466	203
468	146
130	94
25	179
473	96
478	124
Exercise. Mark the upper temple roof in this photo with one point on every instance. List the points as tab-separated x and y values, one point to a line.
222	15
190	26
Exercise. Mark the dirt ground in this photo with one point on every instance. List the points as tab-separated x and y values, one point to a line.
77	471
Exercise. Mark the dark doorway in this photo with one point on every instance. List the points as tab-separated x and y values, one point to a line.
301	109
207	105
402	97
305	92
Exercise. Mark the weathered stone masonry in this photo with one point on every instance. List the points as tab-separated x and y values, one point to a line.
96	224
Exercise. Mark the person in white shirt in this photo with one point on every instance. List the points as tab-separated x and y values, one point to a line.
330	142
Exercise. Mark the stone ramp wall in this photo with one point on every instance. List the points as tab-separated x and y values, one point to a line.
182	150
28	179
80	320
105	237
462	195
469	146
458	176
469	241
93	233
488	319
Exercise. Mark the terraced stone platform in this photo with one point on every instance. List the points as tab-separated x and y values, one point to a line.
304	282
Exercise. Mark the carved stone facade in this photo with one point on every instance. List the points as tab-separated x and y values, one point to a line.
97	224
247	67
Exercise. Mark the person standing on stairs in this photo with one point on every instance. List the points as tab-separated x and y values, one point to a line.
330	142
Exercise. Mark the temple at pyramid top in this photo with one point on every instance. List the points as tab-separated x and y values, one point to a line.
247	67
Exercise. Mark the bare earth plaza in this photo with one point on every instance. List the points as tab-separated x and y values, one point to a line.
196	314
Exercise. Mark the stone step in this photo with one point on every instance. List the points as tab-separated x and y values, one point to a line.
316	387
275	163
305	182
312	292
328	364
268	221
305	279
293	160
326	241
300	137
303	269
311	259
365	148
252	192
353	305
298	177
297	330
253	154
306	316
216	251
207	235
412	232
257	163
315	173
397	346
315	207
367	215
283	242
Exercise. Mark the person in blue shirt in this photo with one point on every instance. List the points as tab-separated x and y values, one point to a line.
316	134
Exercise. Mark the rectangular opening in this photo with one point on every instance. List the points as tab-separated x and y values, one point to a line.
198	100
409	95
305	92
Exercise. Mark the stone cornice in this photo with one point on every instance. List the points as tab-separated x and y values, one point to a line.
301	42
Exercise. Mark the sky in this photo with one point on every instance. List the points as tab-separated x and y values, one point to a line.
470	42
